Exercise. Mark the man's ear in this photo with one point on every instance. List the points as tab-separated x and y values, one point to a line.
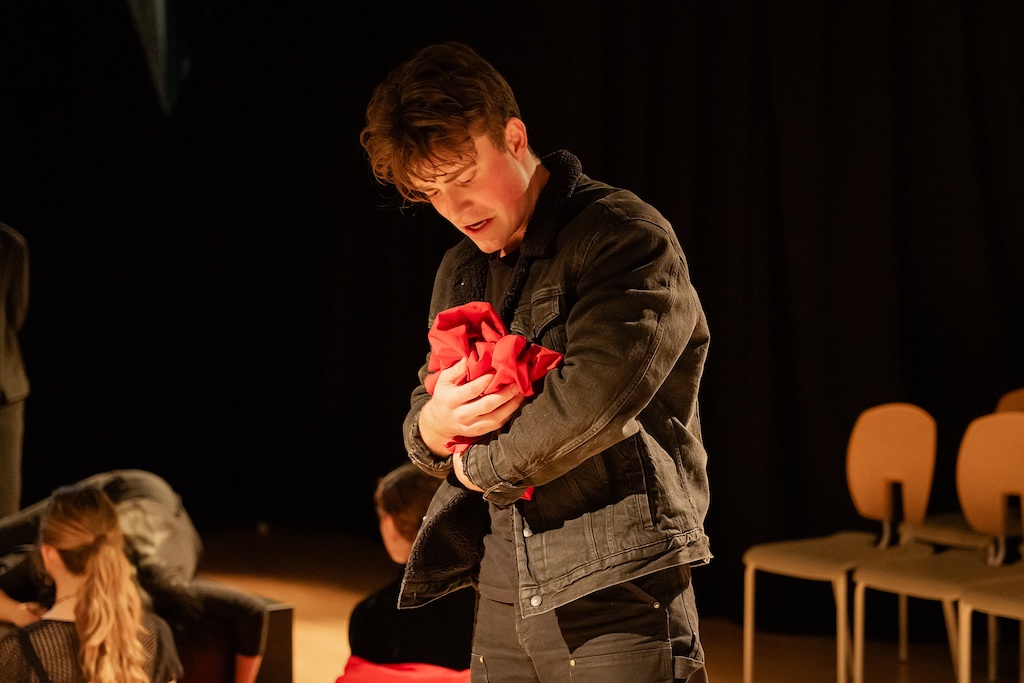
516	141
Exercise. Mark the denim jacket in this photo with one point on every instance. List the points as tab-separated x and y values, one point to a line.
612	442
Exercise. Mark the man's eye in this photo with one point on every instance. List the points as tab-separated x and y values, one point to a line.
467	180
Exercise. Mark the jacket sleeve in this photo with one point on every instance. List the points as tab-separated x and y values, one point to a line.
631	314
415	447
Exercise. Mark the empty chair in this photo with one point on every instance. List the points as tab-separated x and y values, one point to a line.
890	444
951	528
989	473
1011	400
996	598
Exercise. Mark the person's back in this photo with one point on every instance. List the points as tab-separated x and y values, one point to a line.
164	547
438	633
56	645
96	630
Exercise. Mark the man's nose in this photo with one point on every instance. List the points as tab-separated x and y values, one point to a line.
456	202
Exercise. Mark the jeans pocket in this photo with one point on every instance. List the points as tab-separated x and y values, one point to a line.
643	666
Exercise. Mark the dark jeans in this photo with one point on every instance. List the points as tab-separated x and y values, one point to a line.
641	631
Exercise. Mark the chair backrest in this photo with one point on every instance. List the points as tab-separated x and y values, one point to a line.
1011	400
892	443
990	471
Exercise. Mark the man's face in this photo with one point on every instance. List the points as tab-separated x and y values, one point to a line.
484	193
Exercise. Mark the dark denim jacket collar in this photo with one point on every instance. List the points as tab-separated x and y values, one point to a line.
539	242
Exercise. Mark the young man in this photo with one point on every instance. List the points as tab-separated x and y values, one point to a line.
587	577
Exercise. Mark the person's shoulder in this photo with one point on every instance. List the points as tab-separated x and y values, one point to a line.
385	598
152	620
49	625
8	634
609	210
627	205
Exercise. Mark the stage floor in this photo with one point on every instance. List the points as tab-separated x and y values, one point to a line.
323	575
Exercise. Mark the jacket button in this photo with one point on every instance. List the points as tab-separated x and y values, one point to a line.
527	532
536	600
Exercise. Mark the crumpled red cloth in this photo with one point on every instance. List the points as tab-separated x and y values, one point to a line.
476	332
358	670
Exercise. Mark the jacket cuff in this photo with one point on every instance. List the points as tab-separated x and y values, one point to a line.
476	463
418	450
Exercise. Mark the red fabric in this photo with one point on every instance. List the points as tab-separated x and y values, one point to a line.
358	670
476	332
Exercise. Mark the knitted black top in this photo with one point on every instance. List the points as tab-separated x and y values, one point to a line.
56	645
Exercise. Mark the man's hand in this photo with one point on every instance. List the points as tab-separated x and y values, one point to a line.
462	409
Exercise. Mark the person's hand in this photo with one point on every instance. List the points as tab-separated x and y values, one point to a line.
462	409
30	612
460	472
19	613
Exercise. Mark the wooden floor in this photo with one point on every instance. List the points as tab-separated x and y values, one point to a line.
323	575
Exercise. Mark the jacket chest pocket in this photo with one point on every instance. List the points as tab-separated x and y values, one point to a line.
542	319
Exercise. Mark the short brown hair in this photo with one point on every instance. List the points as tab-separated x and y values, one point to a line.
426	111
405	493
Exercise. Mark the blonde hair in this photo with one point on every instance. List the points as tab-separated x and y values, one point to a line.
81	523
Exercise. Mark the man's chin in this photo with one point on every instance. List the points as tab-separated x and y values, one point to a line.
485	246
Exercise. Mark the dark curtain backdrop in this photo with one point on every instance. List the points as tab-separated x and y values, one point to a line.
222	295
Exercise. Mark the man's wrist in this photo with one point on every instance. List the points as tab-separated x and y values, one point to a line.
430	437
419	451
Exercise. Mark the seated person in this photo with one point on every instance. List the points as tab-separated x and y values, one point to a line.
438	633
164	547
97	629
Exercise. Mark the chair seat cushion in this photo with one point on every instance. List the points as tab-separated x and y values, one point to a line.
939	576
1002	597
824	558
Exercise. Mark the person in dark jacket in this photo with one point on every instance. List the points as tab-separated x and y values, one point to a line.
14	285
579	512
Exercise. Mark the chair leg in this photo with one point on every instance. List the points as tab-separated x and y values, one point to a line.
748	623
1020	651
842	630
904	647
993	647
858	633
964	658
949	613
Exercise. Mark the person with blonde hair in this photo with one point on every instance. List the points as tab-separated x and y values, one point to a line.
96	630
164	548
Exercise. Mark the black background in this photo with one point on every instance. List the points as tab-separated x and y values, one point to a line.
222	295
